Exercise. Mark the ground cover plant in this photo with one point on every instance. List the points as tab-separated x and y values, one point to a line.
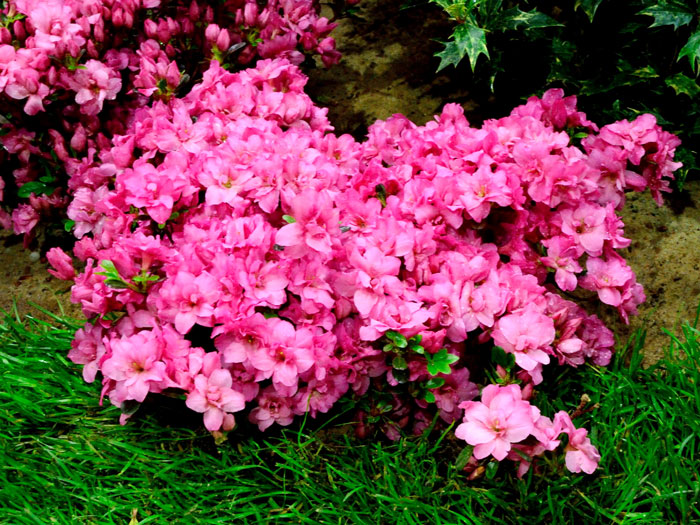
65	460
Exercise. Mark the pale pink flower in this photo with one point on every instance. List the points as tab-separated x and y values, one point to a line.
500	419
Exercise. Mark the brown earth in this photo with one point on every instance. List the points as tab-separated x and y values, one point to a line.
388	67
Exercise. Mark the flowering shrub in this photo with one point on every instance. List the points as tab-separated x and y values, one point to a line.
72	73
237	251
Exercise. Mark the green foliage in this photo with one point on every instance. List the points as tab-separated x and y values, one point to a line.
476	18
627	58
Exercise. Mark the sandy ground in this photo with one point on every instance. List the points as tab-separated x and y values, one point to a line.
388	67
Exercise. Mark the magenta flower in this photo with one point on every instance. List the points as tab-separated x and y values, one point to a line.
136	363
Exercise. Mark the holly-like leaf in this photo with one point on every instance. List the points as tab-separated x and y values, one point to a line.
692	50
683	85
589	7
669	14
514	18
440	362
467	40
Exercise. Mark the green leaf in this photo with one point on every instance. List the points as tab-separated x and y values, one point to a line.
683	85
491	469
467	39
398	339
464	457
117	284
589	7
692	50
440	362
513	18
668	14
289	219
68	224
399	363
429	397
435	382
418	349
34	186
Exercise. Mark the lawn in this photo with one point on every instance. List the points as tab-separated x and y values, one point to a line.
67	460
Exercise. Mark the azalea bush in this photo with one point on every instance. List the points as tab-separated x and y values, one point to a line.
72	74
234	251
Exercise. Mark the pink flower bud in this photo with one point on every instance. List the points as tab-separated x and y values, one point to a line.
150	28
250	14
223	41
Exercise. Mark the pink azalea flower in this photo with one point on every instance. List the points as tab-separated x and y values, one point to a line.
528	334
500	419
136	363
213	396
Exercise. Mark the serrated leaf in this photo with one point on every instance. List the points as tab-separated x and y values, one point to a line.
692	50
464	457
467	40
668	14
589	7
514	18
683	85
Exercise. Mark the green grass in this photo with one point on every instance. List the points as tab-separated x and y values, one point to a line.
67	460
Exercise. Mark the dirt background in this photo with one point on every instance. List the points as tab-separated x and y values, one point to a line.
388	67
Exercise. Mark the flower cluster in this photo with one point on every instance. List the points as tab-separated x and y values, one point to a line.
72	73
238	251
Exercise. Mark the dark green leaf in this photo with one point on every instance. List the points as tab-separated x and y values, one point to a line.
683	85
491	469
669	14
464	457
117	284
514	18
34	186
692	50
468	40
589	7
399	363
397	338
435	382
